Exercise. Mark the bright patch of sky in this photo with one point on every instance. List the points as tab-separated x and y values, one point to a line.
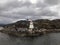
33	1
53	8
3	1
19	0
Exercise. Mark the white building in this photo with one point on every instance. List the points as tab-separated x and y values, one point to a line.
31	26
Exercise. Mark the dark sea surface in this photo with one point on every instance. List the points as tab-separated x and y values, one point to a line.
49	39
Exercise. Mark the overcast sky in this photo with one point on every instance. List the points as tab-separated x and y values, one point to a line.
13	10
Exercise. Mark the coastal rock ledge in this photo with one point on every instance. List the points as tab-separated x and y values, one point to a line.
28	33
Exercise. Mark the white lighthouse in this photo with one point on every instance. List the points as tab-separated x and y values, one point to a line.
31	26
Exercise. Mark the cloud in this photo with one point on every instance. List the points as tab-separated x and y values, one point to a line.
12	10
52	2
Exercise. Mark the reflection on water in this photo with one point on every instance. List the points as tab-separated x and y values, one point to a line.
50	39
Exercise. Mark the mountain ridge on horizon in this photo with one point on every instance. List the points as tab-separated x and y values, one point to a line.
39	23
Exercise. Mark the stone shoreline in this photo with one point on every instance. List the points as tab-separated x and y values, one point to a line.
29	34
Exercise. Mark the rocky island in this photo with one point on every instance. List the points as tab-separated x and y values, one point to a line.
32	28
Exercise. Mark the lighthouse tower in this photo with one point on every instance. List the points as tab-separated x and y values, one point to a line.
31	26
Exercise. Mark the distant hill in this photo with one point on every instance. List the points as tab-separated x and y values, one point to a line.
2	25
39	23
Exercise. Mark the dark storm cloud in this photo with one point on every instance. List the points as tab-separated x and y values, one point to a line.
42	5
15	4
48	13
52	2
